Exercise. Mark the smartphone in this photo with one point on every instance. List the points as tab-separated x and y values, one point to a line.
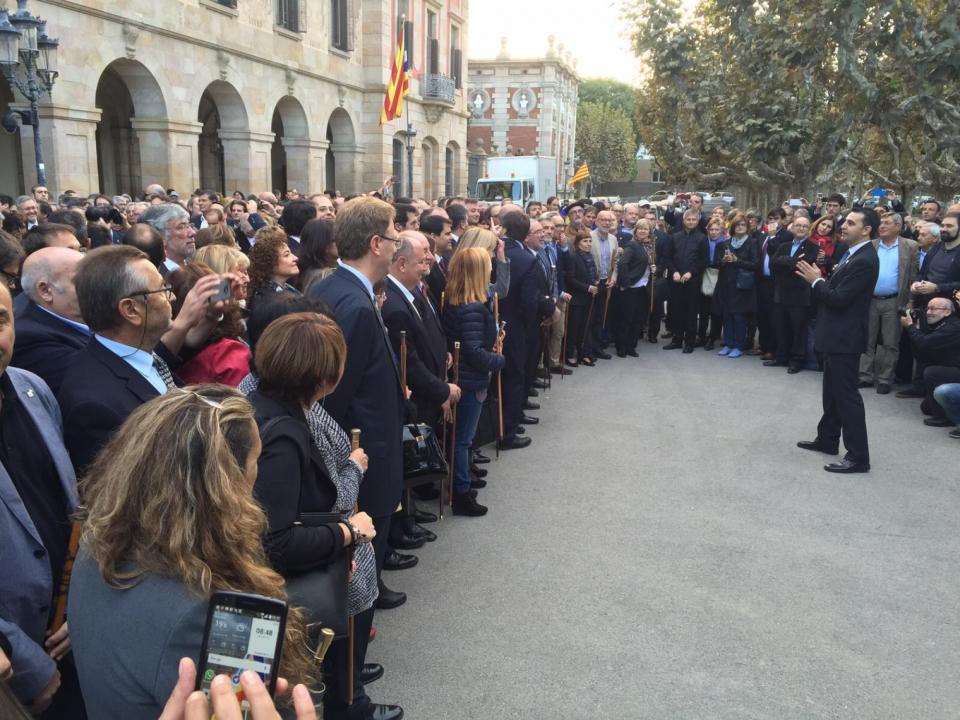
243	632
878	192
796	202
224	292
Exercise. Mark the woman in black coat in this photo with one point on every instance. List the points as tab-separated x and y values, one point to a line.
633	287
580	281
736	294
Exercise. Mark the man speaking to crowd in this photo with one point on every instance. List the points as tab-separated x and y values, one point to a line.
841	336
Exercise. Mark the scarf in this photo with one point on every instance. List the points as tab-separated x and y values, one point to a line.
737	243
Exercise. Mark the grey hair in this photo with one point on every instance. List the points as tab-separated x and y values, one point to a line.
117	198
934	230
896	217
21	199
35	270
407	239
159	216
549	215
635	206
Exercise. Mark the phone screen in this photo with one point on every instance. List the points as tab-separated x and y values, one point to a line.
241	638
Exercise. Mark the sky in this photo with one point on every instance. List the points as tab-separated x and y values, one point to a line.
591	31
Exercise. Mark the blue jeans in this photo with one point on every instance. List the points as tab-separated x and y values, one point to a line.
948	397
735	330
468	415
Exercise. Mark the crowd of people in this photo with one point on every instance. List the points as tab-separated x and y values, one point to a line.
180	378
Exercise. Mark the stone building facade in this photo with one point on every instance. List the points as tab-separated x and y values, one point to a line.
523	107
244	94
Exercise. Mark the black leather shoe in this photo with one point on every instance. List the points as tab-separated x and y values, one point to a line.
652	340
540	384
427	535
708	345
633	353
793	370
528	405
478	471
407	542
688	349
817	447
532	393
621	353
371	672
602	354
479	458
478	484
467	505
847	466
864	384
560	370
937	422
909	393
422	516
521	430
390	599
515	442
883	389
398	561
543	372
384	712
774	363
955	433
529	420
672	346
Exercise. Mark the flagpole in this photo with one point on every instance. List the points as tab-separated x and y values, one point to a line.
411	133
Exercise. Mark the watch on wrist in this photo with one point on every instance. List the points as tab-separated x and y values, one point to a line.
355	535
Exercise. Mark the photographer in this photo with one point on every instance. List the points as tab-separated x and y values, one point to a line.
937	347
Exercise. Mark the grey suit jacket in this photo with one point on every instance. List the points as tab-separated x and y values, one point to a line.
909	267
614	251
127	644
28	586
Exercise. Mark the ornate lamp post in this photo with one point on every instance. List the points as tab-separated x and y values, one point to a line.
28	59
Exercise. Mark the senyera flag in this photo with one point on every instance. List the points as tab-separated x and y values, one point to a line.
582	174
399	81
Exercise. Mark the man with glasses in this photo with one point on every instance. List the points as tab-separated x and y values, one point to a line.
125	304
369	397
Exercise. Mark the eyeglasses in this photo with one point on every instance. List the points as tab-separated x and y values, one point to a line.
395	240
168	289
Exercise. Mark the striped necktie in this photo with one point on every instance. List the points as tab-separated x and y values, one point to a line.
164	371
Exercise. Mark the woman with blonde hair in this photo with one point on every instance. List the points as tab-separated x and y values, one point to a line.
482	237
222	260
467	319
168	518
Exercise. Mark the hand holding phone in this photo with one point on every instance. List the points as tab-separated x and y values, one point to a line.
224	292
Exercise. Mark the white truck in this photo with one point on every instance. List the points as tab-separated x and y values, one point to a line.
521	178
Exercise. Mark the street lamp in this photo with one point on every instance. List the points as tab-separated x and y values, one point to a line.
28	59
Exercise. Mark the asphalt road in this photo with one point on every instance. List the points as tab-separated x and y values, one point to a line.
663	550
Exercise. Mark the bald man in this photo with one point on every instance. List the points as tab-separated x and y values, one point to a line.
50	328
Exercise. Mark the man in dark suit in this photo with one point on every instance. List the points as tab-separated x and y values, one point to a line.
685	257
841	336
544	304
775	236
50	327
436	228
369	397
518	310
791	296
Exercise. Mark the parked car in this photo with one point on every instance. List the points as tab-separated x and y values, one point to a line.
659	196
727	197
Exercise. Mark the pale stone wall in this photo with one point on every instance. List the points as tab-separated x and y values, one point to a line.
168	53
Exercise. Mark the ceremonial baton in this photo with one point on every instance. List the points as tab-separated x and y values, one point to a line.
60	606
354	445
499	348
403	359
451	462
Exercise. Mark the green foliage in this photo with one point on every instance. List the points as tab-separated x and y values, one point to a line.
613	93
605	141
792	95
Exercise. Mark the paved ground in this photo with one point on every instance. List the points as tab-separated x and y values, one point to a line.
663	550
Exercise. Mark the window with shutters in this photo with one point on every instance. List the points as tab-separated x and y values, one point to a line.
341	25
433	44
292	15
456	57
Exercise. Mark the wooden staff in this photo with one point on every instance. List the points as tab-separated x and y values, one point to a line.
593	299
606	305
652	260
498	347
403	360
563	341
60	606
351	634
451	458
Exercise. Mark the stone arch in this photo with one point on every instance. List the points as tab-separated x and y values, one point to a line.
451	169
343	154
223	148
430	150
130	99
289	155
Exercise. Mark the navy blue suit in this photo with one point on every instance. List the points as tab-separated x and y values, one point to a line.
45	344
519	311
369	396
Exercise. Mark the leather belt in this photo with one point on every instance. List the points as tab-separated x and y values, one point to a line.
885	297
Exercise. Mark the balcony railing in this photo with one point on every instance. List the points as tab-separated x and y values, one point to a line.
439	87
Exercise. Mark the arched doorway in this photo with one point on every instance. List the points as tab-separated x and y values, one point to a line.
11	169
126	92
343	153
289	157
223	157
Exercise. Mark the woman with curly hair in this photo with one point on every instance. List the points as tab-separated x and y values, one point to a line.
168	519
225	358
272	265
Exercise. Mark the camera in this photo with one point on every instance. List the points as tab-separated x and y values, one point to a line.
913	313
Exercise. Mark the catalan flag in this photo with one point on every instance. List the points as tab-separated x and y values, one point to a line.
399	81
581	174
